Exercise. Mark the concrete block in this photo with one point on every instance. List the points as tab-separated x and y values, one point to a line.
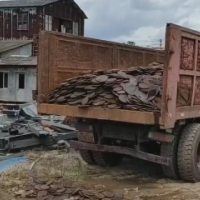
3	118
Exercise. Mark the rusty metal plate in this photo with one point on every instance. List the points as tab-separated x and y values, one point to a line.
197	92
185	87
86	137
187	54
198	57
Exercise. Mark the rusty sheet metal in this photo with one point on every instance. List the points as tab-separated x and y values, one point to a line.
197	92
184	94
63	56
121	150
160	137
181	81
187	54
101	114
198	57
86	137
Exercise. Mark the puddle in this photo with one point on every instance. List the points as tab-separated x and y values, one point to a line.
6	164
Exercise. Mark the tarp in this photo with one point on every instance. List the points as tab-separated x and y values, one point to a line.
6	164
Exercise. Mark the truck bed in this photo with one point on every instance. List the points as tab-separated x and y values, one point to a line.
117	115
63	56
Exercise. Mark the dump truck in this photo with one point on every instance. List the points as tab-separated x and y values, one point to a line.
170	138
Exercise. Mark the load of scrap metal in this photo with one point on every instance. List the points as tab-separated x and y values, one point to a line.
23	134
133	89
63	189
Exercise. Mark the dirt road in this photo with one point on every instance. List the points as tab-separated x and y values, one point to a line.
135	179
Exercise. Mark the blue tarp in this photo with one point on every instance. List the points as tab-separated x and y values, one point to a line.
6	164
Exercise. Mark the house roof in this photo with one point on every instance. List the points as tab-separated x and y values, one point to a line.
6	45
30	3
19	61
25	3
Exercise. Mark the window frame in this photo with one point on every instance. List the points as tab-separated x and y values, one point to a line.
23	29
75	28
24	83
4	72
48	23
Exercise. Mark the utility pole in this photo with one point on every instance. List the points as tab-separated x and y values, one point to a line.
160	43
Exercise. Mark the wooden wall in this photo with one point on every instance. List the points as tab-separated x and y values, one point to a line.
63	56
60	9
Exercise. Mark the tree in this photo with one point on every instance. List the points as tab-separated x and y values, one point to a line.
130	43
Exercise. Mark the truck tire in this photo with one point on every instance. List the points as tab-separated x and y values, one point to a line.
189	153
87	156
169	150
107	159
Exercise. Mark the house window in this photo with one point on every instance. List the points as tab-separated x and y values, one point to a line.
75	28
3	80
48	23
21	81
22	21
68	26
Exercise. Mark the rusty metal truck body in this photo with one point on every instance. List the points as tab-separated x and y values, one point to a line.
170	138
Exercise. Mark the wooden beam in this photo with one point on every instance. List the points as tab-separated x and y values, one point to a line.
118	115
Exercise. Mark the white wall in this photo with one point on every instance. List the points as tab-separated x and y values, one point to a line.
10	93
25	50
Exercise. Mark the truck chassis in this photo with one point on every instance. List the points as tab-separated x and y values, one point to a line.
104	143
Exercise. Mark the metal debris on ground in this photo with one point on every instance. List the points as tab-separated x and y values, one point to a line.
30	130
133	89
45	189
70	121
11	110
28	110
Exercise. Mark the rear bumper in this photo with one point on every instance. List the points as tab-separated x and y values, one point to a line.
121	150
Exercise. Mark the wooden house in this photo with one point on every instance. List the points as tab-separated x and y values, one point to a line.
22	19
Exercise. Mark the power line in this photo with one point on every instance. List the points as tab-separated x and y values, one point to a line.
146	39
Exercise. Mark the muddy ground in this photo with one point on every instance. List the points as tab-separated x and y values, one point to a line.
135	179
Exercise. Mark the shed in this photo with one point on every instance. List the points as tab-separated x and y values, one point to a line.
17	78
25	18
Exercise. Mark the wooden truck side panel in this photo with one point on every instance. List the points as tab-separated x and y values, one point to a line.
181	80
117	115
63	56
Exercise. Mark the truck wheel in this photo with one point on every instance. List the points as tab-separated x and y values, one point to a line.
189	153
87	156
169	150
107	159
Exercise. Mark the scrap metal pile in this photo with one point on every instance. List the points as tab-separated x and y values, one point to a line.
22	134
44	189
132	89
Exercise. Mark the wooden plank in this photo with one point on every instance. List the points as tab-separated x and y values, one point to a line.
170	77
51	62
101	114
58	125
43	65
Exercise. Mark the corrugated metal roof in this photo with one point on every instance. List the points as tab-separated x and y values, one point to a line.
25	3
7	45
30	3
16	61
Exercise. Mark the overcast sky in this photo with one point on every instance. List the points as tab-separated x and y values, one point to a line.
142	21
